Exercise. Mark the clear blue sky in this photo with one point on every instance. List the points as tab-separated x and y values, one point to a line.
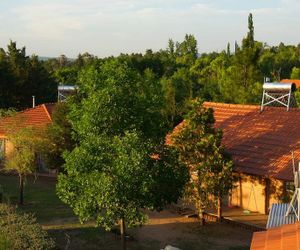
109	27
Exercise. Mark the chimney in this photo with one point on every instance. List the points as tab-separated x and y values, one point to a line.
33	101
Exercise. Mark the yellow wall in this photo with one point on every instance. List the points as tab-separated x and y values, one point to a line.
8	146
250	193
277	188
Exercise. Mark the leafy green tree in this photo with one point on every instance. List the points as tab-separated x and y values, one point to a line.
285	59
267	64
84	59
38	83
21	231
170	102
27	143
22	77
63	61
295	73
245	64
186	51
208	75
59	136
114	179
66	76
278	62
178	92
114	98
238	76
120	165
199	146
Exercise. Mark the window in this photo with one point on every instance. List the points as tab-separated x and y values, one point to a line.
2	148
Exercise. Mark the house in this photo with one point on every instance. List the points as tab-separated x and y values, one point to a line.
279	238
39	117
260	144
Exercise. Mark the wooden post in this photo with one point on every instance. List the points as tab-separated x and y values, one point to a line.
267	195
219	207
21	185
201	217
241	191
122	232
201	213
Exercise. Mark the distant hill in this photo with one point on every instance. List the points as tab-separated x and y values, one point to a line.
45	58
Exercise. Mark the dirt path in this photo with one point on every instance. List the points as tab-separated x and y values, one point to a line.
163	228
168	227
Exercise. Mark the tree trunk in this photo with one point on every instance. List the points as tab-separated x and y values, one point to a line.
21	185
123	235
201	218
200	214
219	207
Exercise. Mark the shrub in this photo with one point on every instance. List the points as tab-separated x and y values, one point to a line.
21	231
5	244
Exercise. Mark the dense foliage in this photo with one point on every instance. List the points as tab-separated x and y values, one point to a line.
232	76
28	144
59	136
109	138
115	178
120	164
22	77
199	146
21	231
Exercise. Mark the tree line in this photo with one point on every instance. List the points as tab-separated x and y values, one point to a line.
234	75
109	137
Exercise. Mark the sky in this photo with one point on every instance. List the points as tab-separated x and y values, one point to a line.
110	27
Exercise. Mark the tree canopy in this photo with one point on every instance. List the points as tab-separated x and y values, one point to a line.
120	164
28	144
199	146
21	231
179	70
22	77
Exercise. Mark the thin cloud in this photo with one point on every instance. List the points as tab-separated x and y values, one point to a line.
106	27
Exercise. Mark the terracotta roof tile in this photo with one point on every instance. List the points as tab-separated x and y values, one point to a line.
38	116
285	237
260	142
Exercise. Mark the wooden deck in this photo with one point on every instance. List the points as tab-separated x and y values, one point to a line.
232	215
245	217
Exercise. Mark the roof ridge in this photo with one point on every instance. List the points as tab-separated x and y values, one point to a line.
47	111
32	108
243	106
220	104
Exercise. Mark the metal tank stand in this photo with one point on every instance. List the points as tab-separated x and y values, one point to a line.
294	206
278	94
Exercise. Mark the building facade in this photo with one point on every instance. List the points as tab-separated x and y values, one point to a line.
38	117
261	146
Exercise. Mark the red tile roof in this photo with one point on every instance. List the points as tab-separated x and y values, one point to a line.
38	116
278	238
297	82
260	143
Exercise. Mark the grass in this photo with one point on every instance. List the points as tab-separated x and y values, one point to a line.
39	197
59	220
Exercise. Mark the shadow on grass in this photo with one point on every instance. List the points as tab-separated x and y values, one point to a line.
186	236
95	238
165	228
39	197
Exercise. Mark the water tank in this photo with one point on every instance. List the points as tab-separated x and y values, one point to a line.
279	87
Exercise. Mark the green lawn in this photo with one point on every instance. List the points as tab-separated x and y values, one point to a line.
39	197
59	220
